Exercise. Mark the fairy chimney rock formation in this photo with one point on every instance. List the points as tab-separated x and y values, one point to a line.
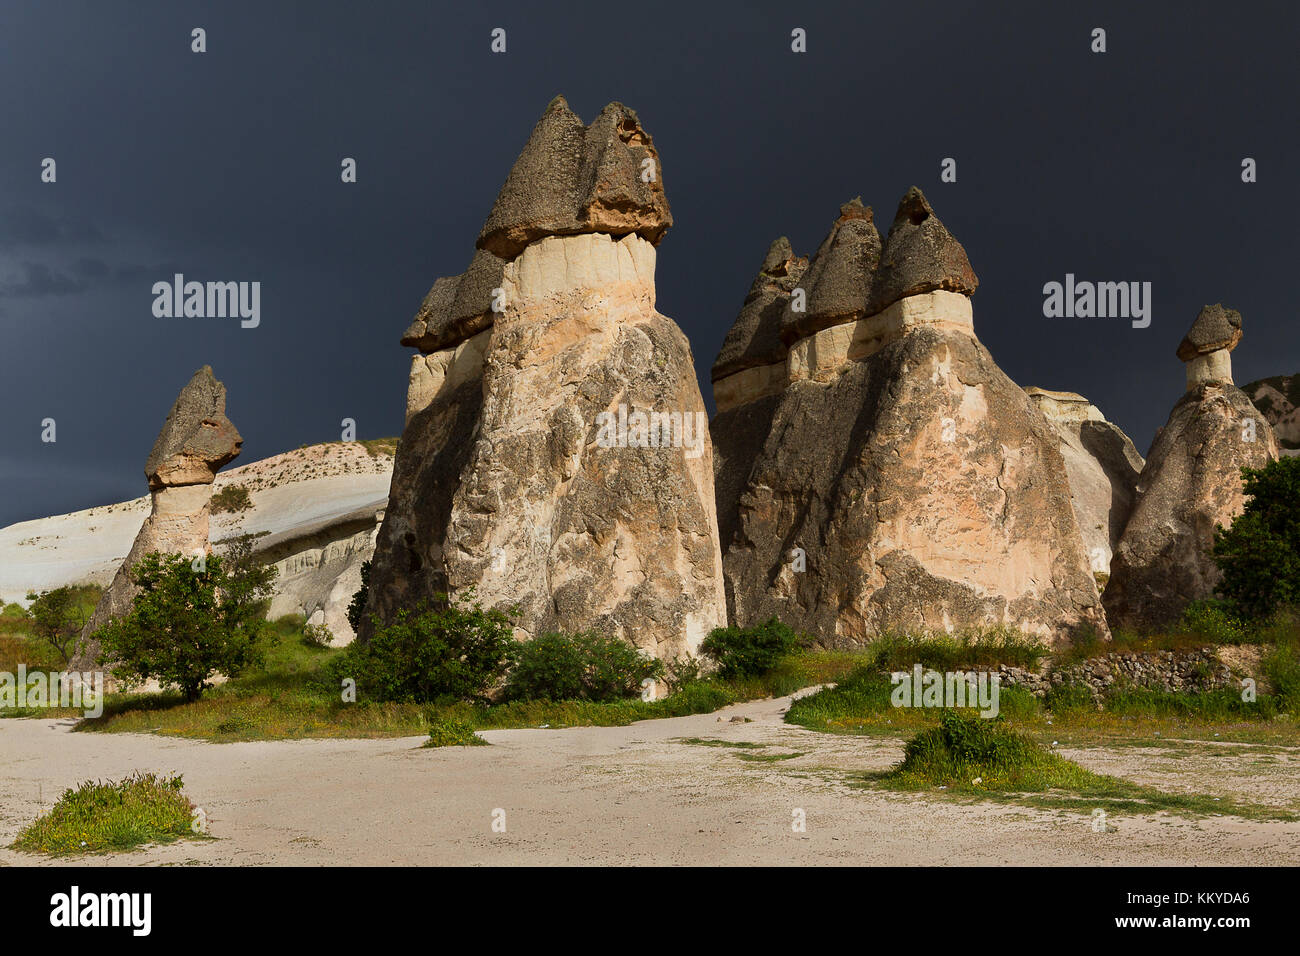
1191	483
876	470
1206	347
556	454
196	441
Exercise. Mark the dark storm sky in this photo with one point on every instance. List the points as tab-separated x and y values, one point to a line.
225	166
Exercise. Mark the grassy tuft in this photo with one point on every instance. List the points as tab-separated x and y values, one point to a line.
451	732
97	817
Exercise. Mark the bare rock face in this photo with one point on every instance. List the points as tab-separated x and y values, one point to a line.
195	442
886	474
1102	466
556	456
1278	400
1190	484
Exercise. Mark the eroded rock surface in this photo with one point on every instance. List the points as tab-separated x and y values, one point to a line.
884	474
1102	466
556	455
1190	484
195	442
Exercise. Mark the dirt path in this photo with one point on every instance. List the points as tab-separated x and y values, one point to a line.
624	795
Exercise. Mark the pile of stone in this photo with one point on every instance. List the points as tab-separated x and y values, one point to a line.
1173	671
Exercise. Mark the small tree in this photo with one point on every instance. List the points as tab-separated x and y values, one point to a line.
190	620
451	650
1260	554
59	616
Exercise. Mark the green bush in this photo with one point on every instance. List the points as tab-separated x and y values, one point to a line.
1214	622
452	650
584	666
58	616
1282	668
190	622
1260	554
357	606
232	498
748	652
452	732
97	817
317	635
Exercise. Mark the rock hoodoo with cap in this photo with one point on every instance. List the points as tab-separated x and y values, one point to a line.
876	470
1190	484
556	454
196	441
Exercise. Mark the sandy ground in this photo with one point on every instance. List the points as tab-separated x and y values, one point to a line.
630	795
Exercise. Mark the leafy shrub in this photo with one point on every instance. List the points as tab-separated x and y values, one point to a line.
1214	622
97	817
965	752
748	652
187	624
452	732
1282	668
584	666
357	606
317	635
58	616
452	650
232	498
681	671
1260	554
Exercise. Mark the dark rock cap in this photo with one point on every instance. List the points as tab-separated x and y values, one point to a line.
920	255
1215	328
197	439
839	279
457	307
754	338
572	179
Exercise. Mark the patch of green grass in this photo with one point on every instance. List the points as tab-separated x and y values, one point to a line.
974	756
98	817
289	698
450	732
969	649
714	742
768	758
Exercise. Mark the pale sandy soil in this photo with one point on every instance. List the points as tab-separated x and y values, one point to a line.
631	795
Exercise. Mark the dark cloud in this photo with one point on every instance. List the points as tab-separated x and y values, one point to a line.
27	226
40	280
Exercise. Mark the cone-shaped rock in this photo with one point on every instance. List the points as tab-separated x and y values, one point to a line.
570	180
195	442
557	459
896	478
749	376
839	277
1190	484
920	255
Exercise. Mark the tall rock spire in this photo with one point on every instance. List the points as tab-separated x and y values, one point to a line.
1190	484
